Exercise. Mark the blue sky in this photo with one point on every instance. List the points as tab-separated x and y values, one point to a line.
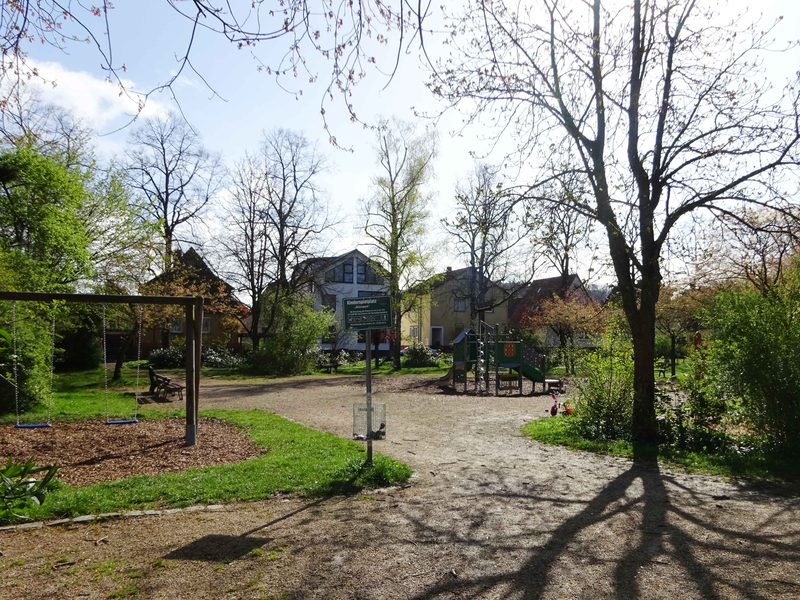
146	37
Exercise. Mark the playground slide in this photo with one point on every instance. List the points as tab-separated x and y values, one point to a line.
532	373
448	378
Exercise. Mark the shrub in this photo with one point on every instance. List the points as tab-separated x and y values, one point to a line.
291	349
173	357
663	346
19	489
220	358
33	358
756	358
418	355
604	407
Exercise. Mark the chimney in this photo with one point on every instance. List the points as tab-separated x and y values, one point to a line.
449	269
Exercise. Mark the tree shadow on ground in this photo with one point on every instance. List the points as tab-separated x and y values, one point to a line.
226	548
668	532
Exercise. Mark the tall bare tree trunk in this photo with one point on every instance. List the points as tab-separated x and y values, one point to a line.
123	352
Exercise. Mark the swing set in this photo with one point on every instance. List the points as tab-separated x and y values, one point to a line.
193	309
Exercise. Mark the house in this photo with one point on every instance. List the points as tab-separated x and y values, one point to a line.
331	279
189	276
445	310
531	297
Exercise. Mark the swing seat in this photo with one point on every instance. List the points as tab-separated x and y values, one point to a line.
124	422
33	426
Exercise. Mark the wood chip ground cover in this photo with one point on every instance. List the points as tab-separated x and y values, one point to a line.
90	452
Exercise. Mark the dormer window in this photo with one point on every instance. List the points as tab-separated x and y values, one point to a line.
365	274
342	273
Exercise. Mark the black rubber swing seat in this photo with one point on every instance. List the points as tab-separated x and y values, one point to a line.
129	421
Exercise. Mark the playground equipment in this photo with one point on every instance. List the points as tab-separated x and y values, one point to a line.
193	314
490	351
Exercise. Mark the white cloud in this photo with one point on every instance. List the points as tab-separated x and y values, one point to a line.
96	100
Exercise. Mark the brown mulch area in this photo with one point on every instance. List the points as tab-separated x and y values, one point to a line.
91	451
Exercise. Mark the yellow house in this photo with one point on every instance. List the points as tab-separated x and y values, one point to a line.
445	311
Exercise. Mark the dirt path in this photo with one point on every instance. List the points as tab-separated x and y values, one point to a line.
491	515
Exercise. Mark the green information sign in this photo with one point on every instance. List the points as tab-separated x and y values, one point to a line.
374	312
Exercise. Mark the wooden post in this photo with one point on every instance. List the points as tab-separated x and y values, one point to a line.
191	360
198	356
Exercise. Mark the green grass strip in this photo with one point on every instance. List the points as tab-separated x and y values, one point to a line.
299	460
754	466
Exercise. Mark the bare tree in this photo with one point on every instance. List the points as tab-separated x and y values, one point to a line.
395	215
347	34
274	221
487	237
557	231
755	245
51	130
664	115
176	175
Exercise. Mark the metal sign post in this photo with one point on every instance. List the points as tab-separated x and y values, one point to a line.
368	339
366	314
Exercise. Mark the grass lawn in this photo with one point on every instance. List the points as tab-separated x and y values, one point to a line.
80	394
753	466
300	459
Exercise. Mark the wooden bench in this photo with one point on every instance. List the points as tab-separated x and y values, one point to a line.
161	385
661	368
557	385
329	367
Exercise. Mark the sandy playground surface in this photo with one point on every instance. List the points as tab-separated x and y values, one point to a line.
490	514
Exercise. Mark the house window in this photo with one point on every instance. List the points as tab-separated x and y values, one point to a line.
342	273
176	325
414	332
206	324
365	274
329	301
460	305
365	294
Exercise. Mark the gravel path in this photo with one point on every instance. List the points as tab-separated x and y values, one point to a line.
491	515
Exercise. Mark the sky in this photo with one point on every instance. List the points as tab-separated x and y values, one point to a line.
147	37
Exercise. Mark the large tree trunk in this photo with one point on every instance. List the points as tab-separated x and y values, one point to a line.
255	321
123	351
645	432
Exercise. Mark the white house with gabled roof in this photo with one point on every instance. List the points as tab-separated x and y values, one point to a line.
333	278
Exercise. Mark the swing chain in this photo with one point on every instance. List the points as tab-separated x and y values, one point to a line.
105	369
138	360
52	362
14	359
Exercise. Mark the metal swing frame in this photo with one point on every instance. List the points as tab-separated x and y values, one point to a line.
193	312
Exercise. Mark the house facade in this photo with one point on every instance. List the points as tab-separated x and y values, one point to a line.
191	275
531	298
332	279
445	311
